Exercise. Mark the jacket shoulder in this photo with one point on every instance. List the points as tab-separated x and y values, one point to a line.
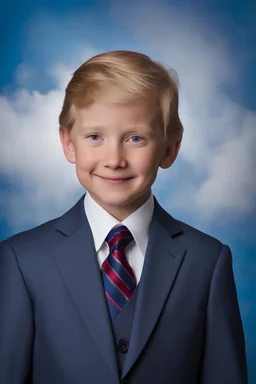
191	231
184	233
46	232
199	241
31	235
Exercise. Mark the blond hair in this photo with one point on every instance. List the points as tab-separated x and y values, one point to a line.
125	76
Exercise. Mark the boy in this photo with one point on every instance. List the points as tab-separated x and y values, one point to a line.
116	290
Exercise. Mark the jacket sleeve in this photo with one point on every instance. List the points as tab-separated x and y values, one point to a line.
16	321
224	358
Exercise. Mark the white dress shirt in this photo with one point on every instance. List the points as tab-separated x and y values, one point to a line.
101	222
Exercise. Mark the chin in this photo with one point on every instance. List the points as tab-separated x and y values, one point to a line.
117	201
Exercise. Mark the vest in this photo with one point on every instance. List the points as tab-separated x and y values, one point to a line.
122	329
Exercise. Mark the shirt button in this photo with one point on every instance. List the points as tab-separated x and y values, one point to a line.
122	345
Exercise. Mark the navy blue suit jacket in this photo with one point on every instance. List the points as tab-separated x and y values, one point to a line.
54	323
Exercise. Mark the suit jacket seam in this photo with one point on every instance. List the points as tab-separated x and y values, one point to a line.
20	270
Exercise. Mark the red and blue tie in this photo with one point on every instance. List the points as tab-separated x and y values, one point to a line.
118	276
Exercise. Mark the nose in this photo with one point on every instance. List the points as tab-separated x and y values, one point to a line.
114	157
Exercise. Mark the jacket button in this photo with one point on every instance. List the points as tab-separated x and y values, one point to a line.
122	345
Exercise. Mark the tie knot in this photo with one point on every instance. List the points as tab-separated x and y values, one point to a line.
118	237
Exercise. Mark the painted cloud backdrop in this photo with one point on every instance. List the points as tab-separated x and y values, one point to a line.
212	185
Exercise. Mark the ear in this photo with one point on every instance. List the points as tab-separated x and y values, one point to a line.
67	145
172	148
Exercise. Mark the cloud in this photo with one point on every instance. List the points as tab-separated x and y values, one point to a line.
231	183
218	150
214	172
24	75
31	156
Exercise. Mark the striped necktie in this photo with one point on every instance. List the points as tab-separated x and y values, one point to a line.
118	276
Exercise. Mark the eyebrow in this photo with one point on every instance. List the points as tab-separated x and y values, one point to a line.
143	129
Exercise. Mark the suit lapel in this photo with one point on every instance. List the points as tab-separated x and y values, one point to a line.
77	262
162	262
75	254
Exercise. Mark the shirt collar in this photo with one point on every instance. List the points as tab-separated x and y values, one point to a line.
101	222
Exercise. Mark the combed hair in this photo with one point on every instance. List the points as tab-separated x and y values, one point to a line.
125	76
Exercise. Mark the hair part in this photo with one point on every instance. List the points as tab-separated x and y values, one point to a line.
122	77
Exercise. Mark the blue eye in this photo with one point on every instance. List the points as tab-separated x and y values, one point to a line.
93	136
136	141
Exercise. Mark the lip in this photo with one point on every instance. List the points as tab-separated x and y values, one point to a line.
116	180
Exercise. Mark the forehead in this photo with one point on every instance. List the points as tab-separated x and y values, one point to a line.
104	113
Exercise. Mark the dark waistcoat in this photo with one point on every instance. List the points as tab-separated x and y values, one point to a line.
122	329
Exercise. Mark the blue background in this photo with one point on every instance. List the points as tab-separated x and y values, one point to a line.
37	36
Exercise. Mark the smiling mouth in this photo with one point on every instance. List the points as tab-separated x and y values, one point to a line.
116	180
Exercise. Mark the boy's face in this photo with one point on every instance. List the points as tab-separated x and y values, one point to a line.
117	154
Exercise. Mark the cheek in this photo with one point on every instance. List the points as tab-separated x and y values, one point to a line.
84	159
146	161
